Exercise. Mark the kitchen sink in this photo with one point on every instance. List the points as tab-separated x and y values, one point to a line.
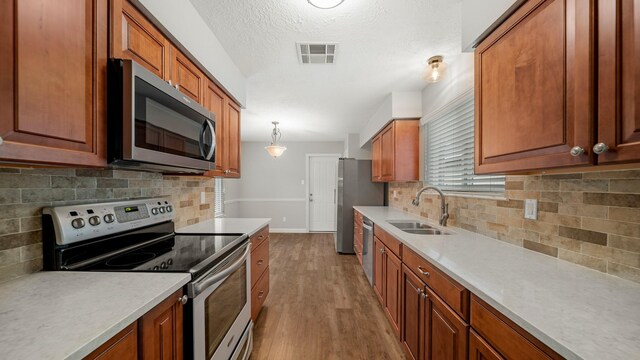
417	227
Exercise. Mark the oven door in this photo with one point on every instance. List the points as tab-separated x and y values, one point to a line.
163	126
222	307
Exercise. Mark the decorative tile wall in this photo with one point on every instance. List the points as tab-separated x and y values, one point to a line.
591	219
24	192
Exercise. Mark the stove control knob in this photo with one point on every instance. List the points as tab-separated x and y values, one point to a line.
109	218
170	261
163	265
161	209
154	211
94	220
156	268
169	208
77	223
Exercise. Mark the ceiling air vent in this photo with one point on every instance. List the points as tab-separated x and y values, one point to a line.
317	53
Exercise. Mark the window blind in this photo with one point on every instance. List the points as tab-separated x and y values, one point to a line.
449	150
218	203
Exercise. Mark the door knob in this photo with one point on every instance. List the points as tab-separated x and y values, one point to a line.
600	148
577	151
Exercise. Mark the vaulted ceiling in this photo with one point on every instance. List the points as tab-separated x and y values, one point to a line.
383	47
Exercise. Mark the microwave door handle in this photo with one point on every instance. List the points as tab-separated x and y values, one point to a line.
200	286
201	143
212	132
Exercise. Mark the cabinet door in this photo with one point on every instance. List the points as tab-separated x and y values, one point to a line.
479	349
378	268
186	76
376	155
392	285
232	140
134	37
123	346
619	80
54	57
214	101
412	323
387	149
534	88
161	330
445	334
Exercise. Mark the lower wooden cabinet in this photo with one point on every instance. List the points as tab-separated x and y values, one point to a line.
259	270
123	346
378	268
387	281
479	349
411	332
445	333
161	330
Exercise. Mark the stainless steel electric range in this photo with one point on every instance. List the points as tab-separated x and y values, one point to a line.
139	235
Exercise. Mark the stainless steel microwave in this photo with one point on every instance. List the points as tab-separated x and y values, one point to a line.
152	126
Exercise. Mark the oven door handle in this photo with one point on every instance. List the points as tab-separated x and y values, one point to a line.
214	278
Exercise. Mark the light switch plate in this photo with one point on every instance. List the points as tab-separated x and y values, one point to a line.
531	209
203	198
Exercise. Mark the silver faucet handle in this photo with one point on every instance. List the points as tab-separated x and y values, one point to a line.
415	202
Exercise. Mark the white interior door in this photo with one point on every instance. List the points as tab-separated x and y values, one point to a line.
322	192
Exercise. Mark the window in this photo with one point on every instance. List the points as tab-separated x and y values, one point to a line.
218	204
449	150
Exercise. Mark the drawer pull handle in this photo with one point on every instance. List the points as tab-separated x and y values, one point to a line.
423	271
382	251
260	294
260	262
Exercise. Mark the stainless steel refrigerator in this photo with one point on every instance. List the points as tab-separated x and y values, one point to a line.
354	188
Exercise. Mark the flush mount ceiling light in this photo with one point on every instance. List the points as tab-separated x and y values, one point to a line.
274	149
436	69
325	4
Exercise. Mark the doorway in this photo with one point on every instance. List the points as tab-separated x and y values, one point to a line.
322	170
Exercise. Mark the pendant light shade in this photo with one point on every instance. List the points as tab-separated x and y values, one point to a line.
275	149
325	4
436	69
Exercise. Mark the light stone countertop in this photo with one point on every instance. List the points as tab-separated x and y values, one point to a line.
67	315
578	312
247	226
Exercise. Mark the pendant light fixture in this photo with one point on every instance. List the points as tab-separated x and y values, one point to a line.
325	4
274	149
436	69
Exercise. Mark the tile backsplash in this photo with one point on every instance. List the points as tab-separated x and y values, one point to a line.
24	192
591	219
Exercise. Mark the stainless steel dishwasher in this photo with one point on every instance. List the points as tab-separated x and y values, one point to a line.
367	248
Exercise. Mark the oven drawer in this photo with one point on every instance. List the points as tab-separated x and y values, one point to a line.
259	261
259	294
259	237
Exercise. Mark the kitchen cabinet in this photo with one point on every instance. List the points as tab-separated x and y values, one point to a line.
134	37
479	349
387	279
53	92
161	330
186	76
378	269
618	81
215	101
445	333
232	140
358	233
412	310
395	152
123	346
259	270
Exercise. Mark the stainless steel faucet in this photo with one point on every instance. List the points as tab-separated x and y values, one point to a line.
444	207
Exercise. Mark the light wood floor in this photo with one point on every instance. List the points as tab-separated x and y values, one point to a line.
320	305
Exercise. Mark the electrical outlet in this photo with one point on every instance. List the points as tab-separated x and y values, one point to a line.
301	182
203	198
284	219
531	209
395	193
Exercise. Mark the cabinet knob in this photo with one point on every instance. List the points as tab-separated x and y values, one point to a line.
600	148
260	294
1	140
423	271
260	262
183	299
577	151
424	295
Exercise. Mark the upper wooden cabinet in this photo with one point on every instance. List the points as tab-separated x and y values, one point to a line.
232	140
134	37
186	76
395	152
215	101
52	88
619	80
534	83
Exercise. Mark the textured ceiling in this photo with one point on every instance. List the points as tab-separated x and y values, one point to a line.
383	46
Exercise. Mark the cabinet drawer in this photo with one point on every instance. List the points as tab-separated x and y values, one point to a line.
511	341
259	261
259	294
389	241
454	294
259	237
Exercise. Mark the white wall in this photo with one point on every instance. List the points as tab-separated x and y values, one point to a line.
458	80
181	19
352	148
397	105
479	15
274	188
